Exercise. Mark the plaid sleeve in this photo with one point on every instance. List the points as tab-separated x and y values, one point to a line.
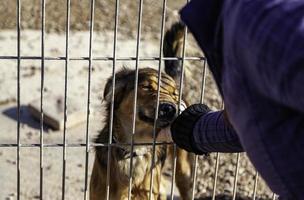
213	133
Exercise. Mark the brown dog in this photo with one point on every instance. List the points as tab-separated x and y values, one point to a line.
122	131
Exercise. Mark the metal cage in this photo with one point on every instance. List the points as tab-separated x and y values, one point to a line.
114	58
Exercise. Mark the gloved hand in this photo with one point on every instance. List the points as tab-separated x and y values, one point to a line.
182	128
165	133
183	125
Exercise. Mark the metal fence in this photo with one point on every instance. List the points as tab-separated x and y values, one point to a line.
88	144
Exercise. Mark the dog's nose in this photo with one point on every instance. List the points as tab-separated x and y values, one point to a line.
167	111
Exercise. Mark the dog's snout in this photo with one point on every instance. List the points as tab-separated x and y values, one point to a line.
167	111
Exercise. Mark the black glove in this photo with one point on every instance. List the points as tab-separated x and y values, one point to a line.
182	127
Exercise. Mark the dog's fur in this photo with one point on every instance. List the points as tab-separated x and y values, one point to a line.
122	132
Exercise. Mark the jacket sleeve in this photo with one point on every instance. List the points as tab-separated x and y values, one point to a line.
213	133
201	131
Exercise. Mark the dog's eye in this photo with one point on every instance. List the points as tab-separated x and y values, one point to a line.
147	87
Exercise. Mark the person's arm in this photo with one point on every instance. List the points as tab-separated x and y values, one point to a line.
201	131
265	38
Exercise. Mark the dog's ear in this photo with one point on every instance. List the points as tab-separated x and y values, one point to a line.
173	47
122	85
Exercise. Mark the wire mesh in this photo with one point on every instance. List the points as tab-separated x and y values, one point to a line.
87	145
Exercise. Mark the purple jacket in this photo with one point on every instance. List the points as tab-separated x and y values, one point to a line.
255	50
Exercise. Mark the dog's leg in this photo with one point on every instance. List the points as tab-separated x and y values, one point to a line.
183	174
142	191
97	190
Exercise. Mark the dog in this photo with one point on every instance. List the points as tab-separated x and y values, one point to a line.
142	155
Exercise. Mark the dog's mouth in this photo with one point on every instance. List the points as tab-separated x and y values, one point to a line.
144	117
160	123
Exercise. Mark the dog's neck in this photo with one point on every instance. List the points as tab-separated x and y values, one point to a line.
122	137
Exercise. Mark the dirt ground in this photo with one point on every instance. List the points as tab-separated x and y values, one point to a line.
77	91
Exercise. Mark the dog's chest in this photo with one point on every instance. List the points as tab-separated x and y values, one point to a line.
141	164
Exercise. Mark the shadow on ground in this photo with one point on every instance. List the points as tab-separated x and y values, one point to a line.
25	117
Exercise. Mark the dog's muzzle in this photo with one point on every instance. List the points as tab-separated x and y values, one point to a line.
167	113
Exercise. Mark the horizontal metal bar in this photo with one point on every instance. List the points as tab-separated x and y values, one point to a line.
105	58
84	144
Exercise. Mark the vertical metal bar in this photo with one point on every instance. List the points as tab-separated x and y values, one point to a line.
135	95
255	185
18	96
173	172
203	82
179	111
274	196
112	102
236	176
216	167
158	92
194	176
67	60
41	94
89	99
215	175
196	156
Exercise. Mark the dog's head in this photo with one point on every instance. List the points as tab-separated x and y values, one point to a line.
146	101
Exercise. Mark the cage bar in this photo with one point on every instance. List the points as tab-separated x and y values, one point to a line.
256	179
18	95
41	95
135	94
65	95
92	7
236	175
91	144
217	160
161	46
202	97
112	101
179	106
100	58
